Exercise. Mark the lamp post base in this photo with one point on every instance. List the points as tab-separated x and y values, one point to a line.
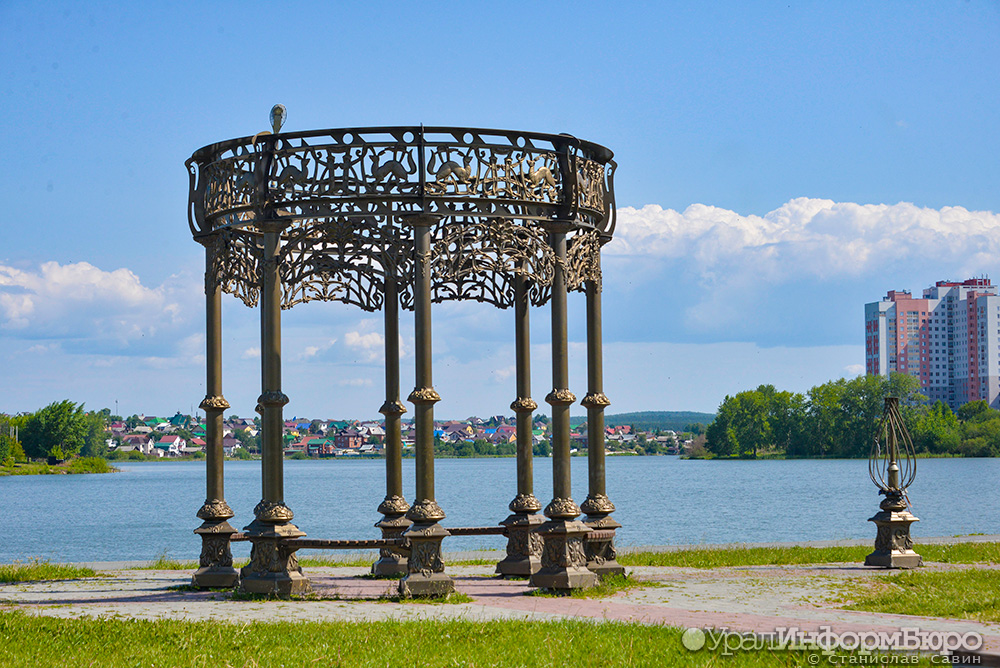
391	563
216	563
524	546
273	569
564	559
425	577
602	558
893	545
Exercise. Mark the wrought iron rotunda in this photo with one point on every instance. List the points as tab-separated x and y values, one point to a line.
402	217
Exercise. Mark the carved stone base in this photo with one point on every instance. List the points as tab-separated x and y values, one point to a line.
216	563
391	562
564	560
273	568
893	545
601	554
425	567
524	546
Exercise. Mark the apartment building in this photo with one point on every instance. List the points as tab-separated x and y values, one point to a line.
949	338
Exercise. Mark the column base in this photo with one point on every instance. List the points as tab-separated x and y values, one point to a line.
216	563
273	569
893	545
602	558
391	562
524	546
564	560
425	575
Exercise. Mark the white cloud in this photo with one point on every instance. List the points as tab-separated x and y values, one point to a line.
741	272
79	301
501	375
251	353
819	238
369	346
355	382
310	352
855	369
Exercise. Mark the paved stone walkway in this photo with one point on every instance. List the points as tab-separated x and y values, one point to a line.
761	600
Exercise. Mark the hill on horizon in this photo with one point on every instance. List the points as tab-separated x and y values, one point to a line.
649	420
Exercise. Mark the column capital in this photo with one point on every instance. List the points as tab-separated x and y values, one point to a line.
598	504
215	509
425	511
419	219
393	505
523	405
559	509
525	503
559	226
217	403
424	395
272	398
560	397
393	407
595	400
272	225
273	511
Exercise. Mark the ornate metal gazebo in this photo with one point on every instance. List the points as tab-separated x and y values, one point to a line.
392	217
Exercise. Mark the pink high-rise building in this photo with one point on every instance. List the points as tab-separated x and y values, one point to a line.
949	338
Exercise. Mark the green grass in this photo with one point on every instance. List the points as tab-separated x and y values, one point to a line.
965	594
36	569
89	465
50	642
75	465
958	553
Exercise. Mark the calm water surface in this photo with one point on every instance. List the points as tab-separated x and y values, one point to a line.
149	508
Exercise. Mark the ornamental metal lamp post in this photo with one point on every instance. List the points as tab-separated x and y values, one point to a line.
892	475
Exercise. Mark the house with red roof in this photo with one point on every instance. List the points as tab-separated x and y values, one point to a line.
171	445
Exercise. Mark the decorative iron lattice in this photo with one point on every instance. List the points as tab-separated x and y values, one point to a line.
342	196
234	264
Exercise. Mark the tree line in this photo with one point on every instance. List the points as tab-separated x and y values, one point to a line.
60	430
839	418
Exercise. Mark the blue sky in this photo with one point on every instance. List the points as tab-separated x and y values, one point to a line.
779	167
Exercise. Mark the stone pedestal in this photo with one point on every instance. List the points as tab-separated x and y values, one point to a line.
273	568
564	558
392	563
601	554
524	544
425	566
216	562
893	545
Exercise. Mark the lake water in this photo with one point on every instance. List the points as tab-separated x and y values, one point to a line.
149	508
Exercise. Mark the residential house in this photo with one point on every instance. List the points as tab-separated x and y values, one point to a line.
230	445
171	445
349	439
140	442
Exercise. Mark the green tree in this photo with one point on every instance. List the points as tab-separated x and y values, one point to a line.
936	430
241	453
95	442
484	447
741	425
506	449
975	411
695	428
248	442
541	449
720	435
58	430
